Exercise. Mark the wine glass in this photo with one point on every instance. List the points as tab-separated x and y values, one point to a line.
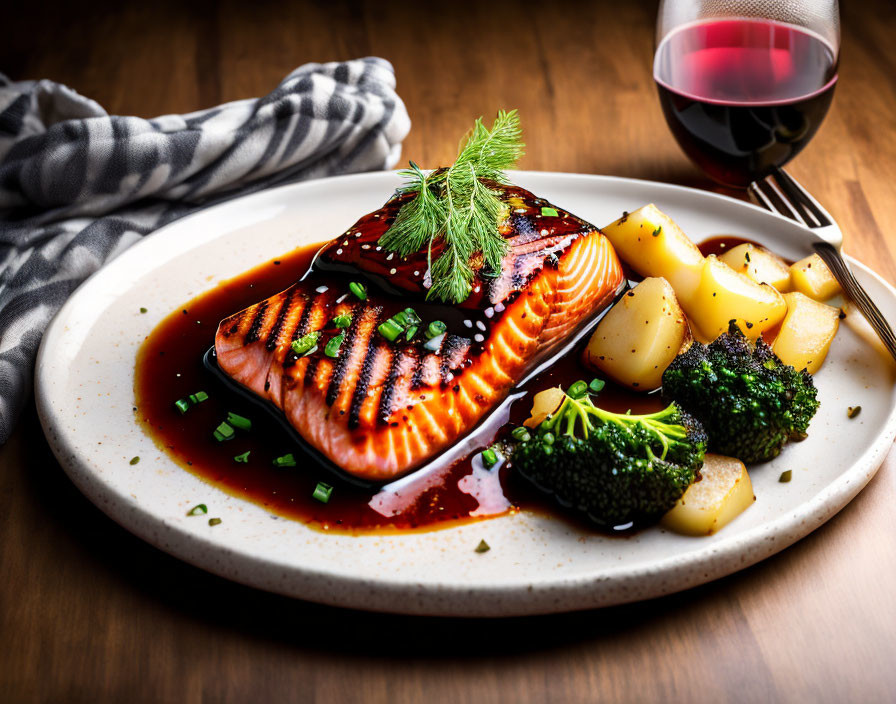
745	84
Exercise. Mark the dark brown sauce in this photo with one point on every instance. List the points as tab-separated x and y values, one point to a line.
169	367
722	243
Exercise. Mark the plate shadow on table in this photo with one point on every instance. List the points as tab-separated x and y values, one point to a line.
83	545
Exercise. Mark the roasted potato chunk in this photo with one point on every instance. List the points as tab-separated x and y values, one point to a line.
806	333
653	245
640	336
812	278
724	295
759	264
723	492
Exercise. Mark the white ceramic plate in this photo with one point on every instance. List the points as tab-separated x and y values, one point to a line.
84	387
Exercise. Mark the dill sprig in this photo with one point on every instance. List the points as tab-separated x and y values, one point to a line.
454	207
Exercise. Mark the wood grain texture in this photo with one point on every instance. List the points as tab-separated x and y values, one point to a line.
89	613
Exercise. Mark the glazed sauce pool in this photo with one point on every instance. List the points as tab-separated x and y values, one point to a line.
169	367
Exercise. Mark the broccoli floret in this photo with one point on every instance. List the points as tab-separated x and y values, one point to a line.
615	468
749	401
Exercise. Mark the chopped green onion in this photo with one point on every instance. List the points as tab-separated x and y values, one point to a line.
410	317
657	231
489	458
243	458
333	345
550	211
785	476
596	386
238	421
577	390
223	432
143	310
182	405
434	329
198	397
390	330
521	434
287	460
359	289
214	521
433	344
548	438
134	460
343	320
322	492
482	547
306	343
198	510
409	335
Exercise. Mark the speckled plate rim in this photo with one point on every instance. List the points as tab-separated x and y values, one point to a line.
501	596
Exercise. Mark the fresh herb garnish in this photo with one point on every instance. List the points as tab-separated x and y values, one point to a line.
287	460
434	329
483	546
551	212
455	208
785	476
306	344
238	421
134	460
596	386
198	510
322	492
214	521
223	432
853	411
243	458
520	434
657	231
359	289
333	345
343	320
143	310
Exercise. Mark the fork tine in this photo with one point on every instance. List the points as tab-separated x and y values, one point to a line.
801	196
793	197
774	196
759	197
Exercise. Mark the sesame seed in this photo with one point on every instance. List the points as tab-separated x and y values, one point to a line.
392	271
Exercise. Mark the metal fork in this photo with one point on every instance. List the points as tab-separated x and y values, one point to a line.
781	194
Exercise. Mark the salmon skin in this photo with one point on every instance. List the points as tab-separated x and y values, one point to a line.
380	409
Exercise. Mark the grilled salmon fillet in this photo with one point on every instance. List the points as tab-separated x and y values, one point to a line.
380	409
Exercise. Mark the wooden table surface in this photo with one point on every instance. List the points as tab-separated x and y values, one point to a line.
90	613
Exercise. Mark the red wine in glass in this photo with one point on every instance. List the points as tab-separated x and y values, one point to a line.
743	96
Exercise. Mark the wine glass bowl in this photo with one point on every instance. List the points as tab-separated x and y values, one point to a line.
745	85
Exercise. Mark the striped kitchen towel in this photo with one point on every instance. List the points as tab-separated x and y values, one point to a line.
78	186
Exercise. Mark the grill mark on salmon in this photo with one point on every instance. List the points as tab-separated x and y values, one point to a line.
386	408
281	317
347	351
360	395
382	408
257	322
